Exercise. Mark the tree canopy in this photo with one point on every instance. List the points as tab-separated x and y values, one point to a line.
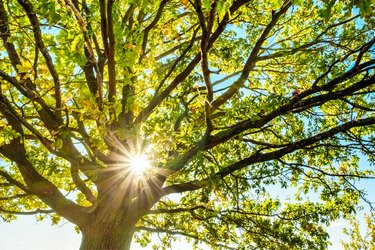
238	124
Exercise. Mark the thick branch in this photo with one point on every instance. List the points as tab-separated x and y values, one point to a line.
43	188
36	183
90	50
27	6
5	35
111	54
68	152
14	182
206	33
74	171
25	88
104	25
152	25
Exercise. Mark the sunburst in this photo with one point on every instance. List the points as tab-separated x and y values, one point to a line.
139	163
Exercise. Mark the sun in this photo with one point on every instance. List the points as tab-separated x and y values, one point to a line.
139	163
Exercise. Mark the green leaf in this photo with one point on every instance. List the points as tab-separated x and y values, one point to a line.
58	144
206	4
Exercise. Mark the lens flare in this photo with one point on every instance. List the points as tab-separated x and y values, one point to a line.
139	163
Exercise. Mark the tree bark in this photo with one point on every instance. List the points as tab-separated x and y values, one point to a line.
102	234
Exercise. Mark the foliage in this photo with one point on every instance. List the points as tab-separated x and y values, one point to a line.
253	115
357	239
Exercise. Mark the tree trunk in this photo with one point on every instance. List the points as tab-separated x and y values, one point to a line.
112	224
104	235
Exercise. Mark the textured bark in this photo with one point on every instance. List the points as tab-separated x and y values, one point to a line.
101	234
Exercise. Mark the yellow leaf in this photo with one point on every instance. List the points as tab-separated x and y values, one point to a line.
24	67
75	44
58	144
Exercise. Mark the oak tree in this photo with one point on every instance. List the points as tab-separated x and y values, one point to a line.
187	118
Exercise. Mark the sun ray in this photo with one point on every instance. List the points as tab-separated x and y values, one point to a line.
139	163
